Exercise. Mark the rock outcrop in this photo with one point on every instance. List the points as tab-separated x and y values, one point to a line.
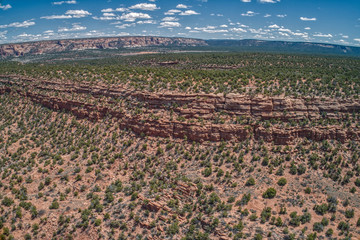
252	110
21	49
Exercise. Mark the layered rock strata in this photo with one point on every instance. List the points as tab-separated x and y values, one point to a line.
192	107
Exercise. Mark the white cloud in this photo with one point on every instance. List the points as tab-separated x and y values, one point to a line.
224	26
284	30
78	13
66	2
267	15
357	39
25	35
170	24
145	6
188	28
307	28
216	31
5	7
249	14
300	34
323	35
345	36
284	34
211	29
307	19
131	17
146	22
181	6
246	1
238	30
242	25
106	18
281	15
109	14
172	12
48	31
218	15
24	24
170	19
123	26
56	17
108	10
120	9
273	26
75	27
3	35
269	1
189	12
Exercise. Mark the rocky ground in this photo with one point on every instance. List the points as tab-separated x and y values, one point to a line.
92	161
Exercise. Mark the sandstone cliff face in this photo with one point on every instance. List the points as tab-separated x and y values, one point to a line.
20	49
194	106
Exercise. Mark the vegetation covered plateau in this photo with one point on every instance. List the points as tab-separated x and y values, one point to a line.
206	145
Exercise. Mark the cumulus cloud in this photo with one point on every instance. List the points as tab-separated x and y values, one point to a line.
131	17
23	24
25	35
323	35
146	22
75	27
107	10
238	30
56	17
109	15
211	29
170	24
181	6
172	12
145	6
357	39
246	1
66	2
170	19
267	15
249	14
189	12
78	13
281	15
5	7
307	28
274	26
307	19
284	30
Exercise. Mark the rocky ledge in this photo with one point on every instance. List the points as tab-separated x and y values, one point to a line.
193	116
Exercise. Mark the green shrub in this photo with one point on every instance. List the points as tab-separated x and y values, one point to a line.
250	182
269	193
282	181
54	205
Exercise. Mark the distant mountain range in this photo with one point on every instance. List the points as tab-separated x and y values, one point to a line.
284	46
53	46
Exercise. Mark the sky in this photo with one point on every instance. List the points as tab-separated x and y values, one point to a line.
326	21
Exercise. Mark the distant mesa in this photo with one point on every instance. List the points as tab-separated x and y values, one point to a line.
34	48
57	46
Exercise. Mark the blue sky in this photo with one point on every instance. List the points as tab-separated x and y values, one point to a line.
328	21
